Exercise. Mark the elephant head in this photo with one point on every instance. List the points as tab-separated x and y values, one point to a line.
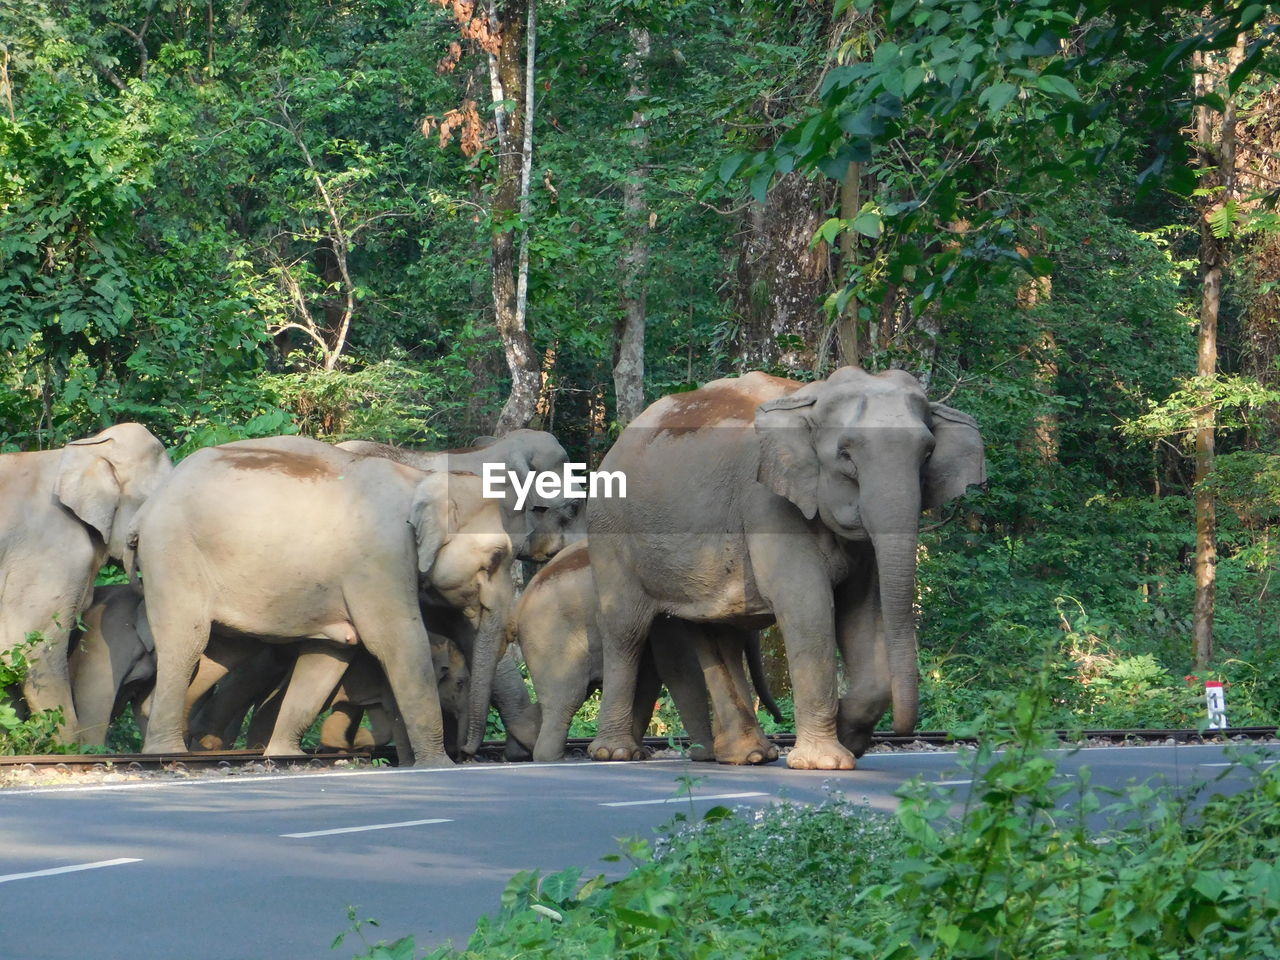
464	554
865	454
546	524
453	680
105	478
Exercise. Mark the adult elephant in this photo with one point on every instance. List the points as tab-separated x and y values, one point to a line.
62	514
554	624
547	525
757	500
288	538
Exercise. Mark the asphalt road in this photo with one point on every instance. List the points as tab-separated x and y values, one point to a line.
265	867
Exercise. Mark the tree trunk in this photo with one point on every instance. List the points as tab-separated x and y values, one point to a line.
847	324
628	367
1219	154
783	279
509	84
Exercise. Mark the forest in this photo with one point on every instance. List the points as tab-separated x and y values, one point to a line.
422	221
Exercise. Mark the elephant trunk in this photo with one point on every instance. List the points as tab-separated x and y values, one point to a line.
895	545
485	653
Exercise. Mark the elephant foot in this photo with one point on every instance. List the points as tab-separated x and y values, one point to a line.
164	746
820	755
752	748
856	741
701	754
210	741
616	750
435	761
515	751
282	748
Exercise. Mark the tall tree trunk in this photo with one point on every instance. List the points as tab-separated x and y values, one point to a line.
847	324
1216	150
783	278
510	75
628	366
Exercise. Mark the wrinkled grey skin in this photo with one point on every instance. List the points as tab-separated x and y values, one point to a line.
112	662
545	522
287	538
554	623
62	514
757	500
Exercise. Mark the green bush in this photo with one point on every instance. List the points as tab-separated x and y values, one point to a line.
1024	870
25	734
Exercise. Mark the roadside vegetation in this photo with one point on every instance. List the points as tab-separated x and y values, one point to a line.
1035	865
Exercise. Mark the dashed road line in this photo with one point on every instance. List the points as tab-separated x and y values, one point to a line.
684	799
371	826
73	868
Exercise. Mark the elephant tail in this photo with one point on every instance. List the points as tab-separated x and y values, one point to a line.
130	558
755	664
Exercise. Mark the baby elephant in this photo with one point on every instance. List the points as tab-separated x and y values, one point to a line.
364	689
112	662
262	680
554	623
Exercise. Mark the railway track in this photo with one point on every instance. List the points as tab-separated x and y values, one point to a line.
492	750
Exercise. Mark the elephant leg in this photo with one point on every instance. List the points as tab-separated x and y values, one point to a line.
403	647
221	656
648	690
737	736
263	722
216	722
558	711
623	617
518	712
338	732
382	728
316	673
181	637
795	583
95	682
866	660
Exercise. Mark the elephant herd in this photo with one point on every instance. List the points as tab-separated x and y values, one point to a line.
293	577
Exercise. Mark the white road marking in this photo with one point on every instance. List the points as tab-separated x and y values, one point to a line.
265	778
685	799
71	869
1238	763
372	826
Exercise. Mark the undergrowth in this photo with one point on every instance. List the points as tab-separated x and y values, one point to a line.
1033	865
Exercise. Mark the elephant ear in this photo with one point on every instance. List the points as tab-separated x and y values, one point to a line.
87	484
479	443
432	518
958	460
788	462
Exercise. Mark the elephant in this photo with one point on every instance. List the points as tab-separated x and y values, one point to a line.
550	524
62	514
364	689
554	624
757	500
288	538
112	662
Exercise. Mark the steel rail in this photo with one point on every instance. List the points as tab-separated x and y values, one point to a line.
493	750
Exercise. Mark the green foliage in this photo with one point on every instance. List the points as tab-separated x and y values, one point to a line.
1034	864
34	733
